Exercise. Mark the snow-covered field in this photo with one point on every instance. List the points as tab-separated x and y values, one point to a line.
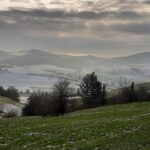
25	81
36	78
44	77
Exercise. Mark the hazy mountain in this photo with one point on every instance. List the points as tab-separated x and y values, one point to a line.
140	58
37	57
33	57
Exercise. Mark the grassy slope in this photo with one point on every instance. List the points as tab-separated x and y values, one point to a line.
119	127
4	100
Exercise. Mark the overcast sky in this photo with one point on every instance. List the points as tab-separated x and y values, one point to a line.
99	27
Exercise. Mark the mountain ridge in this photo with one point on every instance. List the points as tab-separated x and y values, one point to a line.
38	57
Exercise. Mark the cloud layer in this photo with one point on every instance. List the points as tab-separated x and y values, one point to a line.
102	27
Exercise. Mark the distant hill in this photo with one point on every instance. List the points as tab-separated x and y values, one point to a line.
37	57
140	58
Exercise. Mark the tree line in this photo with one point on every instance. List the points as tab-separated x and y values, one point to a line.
10	92
91	93
130	94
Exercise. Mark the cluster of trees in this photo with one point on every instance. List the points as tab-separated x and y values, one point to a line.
130	94
53	103
92	92
39	104
11	93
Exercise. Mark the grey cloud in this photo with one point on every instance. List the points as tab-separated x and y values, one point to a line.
65	15
130	15
93	31
61	19
147	2
56	14
134	28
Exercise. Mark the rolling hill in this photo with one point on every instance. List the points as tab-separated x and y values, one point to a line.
136	59
118	127
38	57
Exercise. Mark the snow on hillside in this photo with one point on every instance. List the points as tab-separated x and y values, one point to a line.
45	76
34	78
25	81
40	70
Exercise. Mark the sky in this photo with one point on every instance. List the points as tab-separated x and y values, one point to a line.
107	28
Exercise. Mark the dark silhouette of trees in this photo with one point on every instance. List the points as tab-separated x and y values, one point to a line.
143	94
133	93
61	93
54	103
104	95
130	94
2	91
11	93
91	91
40	104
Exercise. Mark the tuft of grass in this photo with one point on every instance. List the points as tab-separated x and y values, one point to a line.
118	127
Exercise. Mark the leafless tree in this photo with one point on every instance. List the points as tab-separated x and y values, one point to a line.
61	92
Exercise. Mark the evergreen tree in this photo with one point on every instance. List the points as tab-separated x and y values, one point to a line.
91	91
133	96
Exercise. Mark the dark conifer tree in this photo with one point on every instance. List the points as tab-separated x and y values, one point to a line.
91	91
133	96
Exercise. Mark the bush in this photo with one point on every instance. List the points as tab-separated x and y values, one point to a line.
10	114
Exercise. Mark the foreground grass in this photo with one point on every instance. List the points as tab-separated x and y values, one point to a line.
119	127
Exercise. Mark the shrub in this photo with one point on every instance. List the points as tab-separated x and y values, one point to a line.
10	114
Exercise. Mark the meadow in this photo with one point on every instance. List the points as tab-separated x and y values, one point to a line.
118	127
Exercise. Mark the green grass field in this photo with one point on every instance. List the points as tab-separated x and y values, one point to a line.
118	127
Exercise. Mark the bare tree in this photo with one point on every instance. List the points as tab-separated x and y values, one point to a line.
61	92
